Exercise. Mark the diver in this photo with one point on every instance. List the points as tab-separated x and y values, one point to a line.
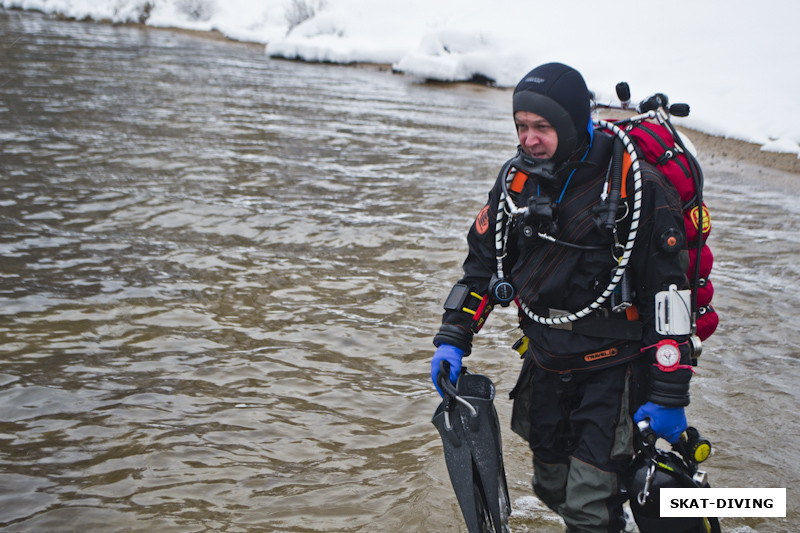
597	272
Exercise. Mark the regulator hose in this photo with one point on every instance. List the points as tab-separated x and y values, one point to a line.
628	146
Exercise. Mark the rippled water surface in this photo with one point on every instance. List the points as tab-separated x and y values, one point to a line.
221	274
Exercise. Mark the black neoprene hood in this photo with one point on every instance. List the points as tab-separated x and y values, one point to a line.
558	93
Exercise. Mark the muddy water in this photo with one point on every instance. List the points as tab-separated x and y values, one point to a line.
221	274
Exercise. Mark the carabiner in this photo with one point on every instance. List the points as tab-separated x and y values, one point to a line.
645	492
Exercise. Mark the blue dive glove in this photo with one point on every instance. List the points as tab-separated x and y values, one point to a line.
666	422
451	354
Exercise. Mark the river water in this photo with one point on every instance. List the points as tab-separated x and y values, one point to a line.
221	274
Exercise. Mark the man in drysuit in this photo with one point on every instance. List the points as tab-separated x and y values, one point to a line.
585	381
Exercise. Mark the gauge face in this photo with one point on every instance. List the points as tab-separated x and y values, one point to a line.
668	355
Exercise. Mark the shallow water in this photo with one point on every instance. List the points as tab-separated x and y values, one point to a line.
221	274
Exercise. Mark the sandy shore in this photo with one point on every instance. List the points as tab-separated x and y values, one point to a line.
746	161
743	153
735	154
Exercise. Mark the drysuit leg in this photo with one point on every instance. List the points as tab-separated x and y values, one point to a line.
581	437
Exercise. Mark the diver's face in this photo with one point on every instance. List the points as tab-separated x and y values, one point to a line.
537	136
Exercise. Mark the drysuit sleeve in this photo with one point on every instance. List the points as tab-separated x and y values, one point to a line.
660	260
464	316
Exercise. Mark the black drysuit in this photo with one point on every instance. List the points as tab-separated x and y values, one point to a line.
579	390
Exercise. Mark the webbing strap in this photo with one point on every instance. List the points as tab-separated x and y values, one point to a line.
609	328
626	166
518	183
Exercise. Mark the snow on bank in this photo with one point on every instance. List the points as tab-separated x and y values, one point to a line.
733	62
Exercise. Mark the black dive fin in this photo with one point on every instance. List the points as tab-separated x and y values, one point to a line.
470	430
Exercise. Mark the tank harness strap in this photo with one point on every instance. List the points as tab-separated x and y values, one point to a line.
626	166
518	182
600	324
609	328
705	309
670	152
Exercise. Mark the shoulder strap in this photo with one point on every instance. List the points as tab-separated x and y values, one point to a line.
518	182
668	153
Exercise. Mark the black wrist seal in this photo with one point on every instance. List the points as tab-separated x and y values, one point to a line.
456	336
670	389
